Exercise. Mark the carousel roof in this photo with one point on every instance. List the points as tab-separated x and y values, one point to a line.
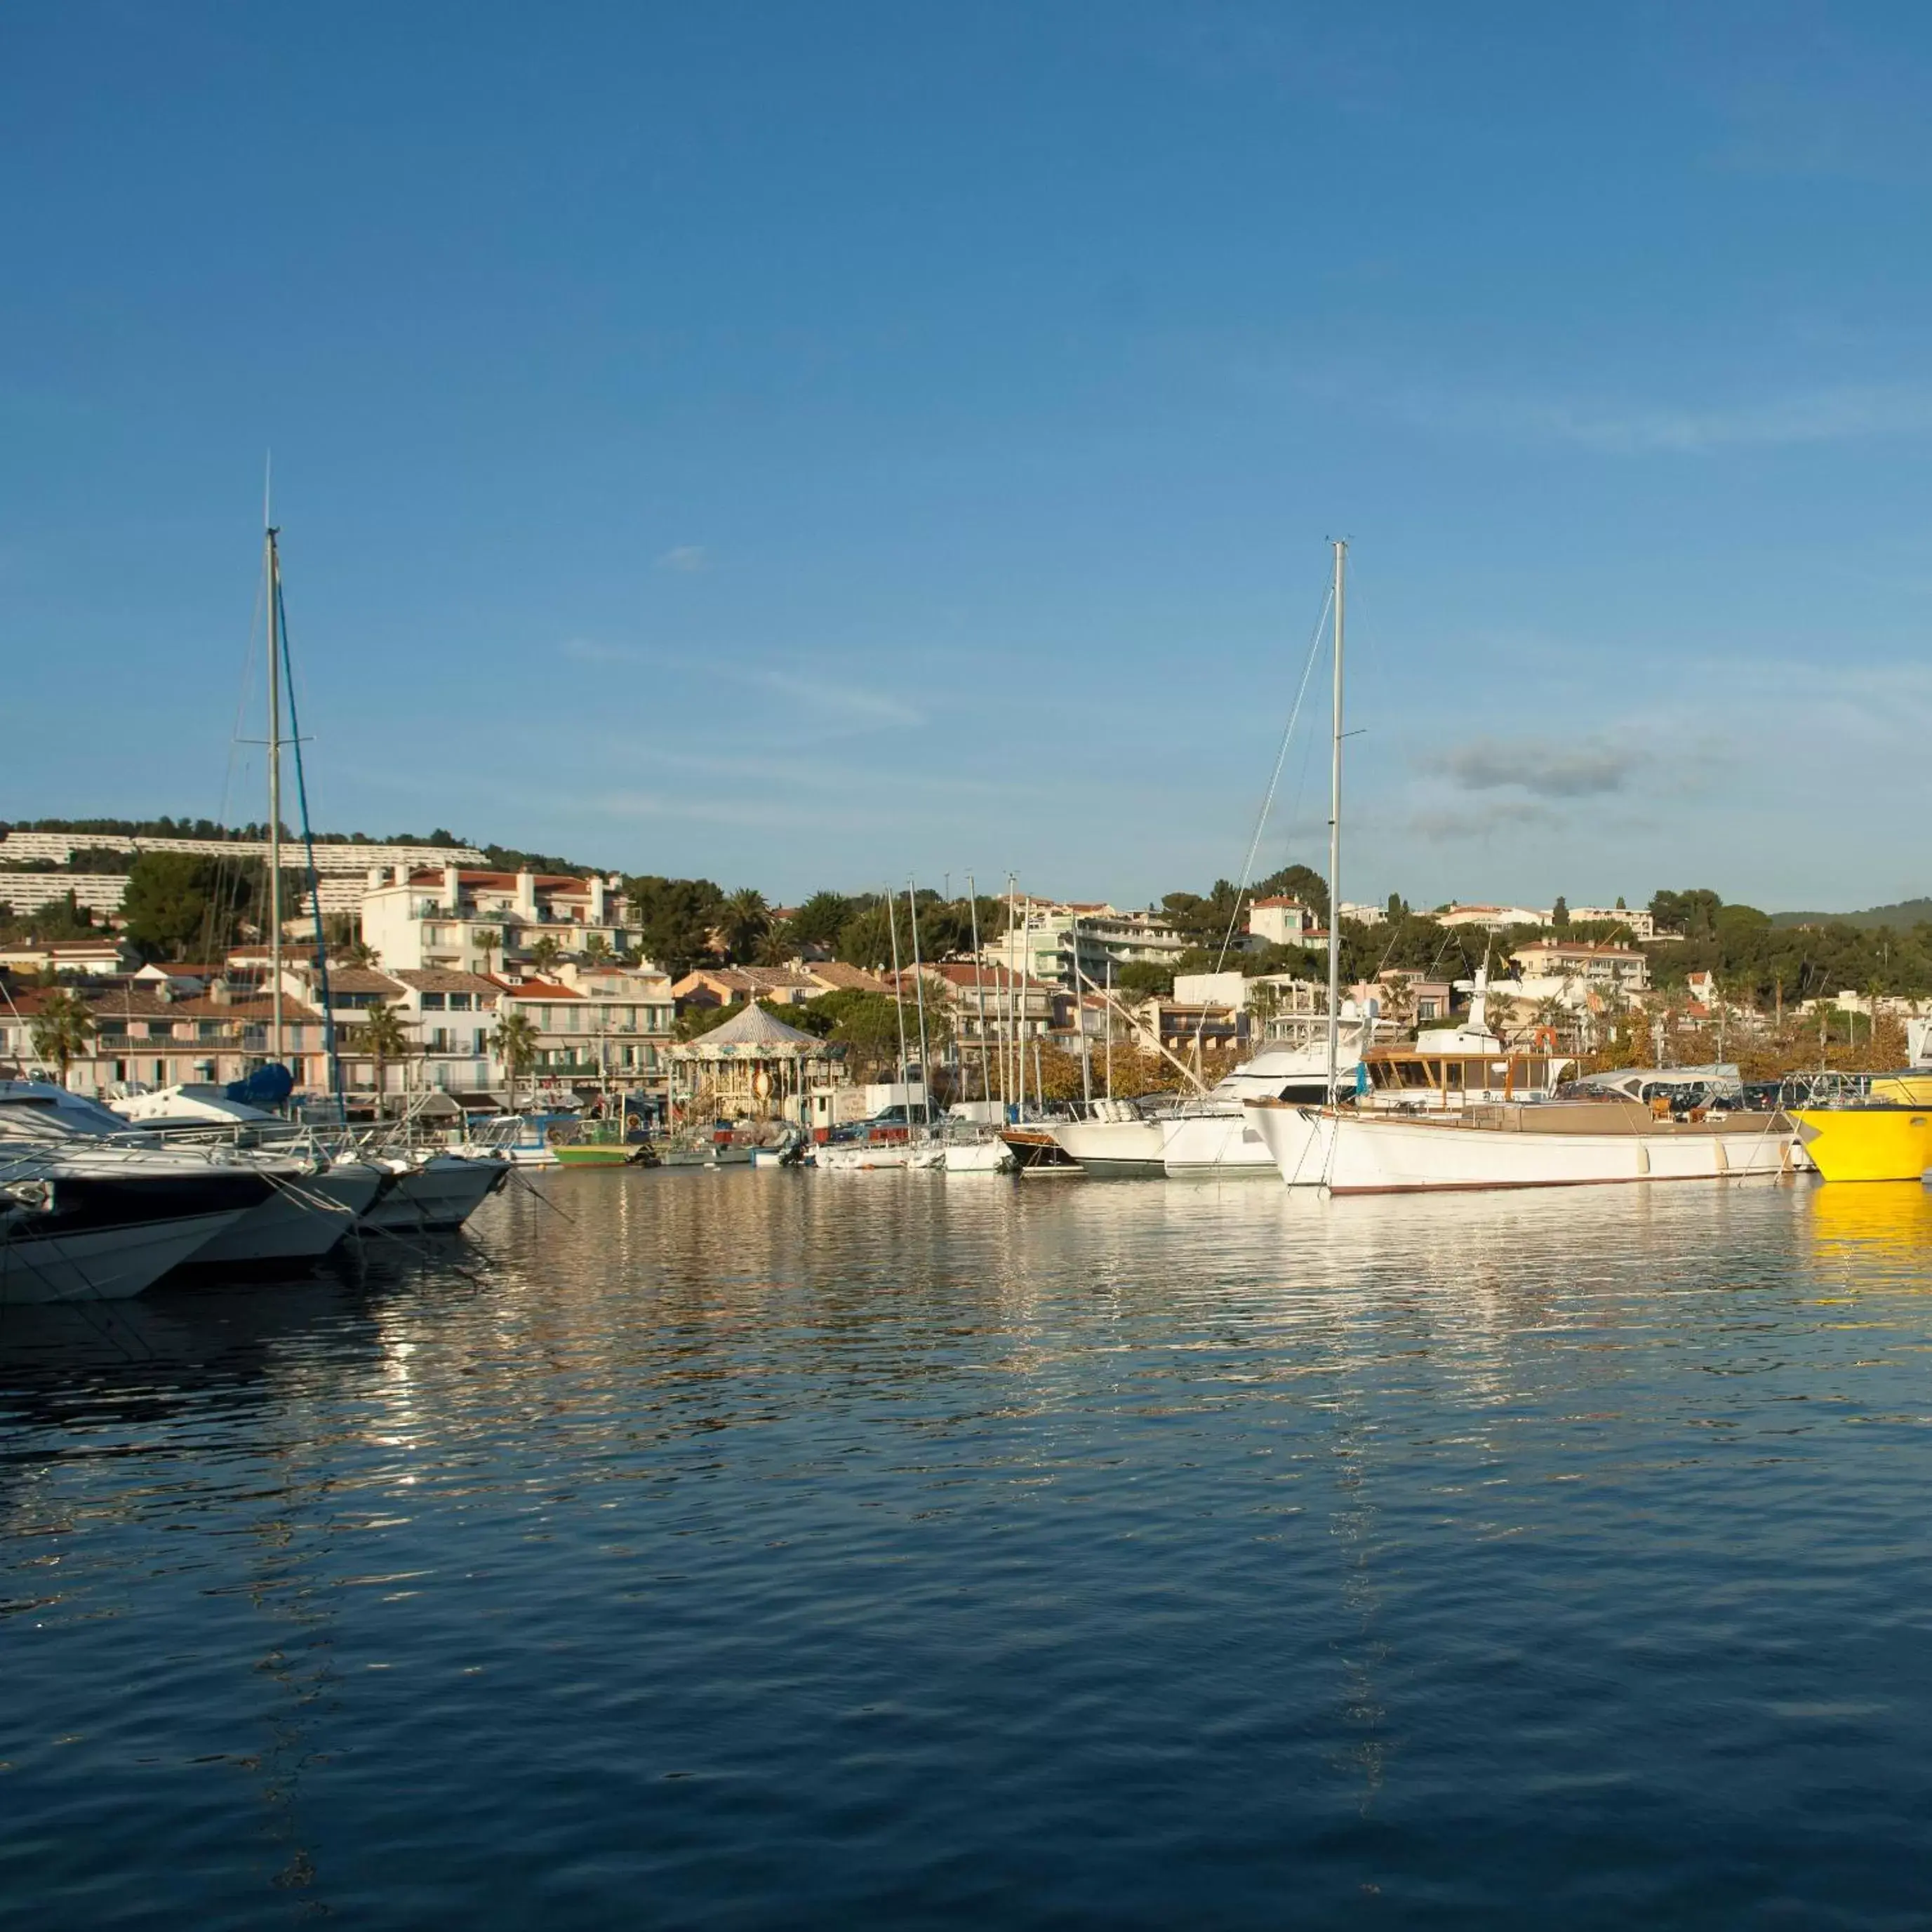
754	1034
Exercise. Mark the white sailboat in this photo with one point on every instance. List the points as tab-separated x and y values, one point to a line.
1486	1119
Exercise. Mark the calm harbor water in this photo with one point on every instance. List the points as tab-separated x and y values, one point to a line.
782	1549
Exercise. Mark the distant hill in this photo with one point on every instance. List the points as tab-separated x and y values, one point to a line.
1907	912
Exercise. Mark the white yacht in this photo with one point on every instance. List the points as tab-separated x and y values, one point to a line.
1117	1141
317	1198
1212	1138
310	1203
83	1219
413	1191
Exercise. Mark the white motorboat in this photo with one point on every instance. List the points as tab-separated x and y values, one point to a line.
1212	1138
316	1200
431	1193
1117	1141
980	1153
1555	1143
864	1156
81	1220
522	1139
310	1203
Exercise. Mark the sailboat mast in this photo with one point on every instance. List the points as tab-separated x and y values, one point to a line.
979	988
273	565
919	989
898	991
1335	847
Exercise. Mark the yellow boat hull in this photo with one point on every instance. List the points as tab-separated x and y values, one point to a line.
1867	1143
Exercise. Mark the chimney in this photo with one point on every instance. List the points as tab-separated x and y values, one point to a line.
598	889
526	896
379	875
452	888
218	994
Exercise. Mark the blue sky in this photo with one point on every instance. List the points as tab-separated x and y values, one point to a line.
809	445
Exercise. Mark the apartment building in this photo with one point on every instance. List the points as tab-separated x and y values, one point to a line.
1062	943
1570	971
469	921
595	1023
146	1036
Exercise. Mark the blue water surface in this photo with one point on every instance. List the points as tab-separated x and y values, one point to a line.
780	1549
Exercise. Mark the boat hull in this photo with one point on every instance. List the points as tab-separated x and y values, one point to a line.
1215	1147
434	1197
986	1156
1867	1143
1113	1149
866	1157
592	1156
304	1218
1386	1154
101	1265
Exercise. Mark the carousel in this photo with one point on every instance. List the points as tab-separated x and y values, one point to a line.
753	1067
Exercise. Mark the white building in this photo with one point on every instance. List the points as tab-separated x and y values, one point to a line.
1569	972
1492	918
1643	927
469	921
1051	938
1281	921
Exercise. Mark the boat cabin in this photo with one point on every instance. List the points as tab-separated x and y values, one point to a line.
1410	1078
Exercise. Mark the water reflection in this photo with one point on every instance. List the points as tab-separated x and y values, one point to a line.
743	1548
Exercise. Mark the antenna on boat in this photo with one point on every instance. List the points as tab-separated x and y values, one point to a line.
1335	843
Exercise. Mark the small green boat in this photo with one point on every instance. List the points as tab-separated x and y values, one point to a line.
598	1144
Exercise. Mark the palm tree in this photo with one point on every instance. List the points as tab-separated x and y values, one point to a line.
515	1040
745	919
486	941
61	1030
384	1038
544	953
597	949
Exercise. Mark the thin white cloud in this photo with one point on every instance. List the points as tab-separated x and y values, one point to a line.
858	703
688	558
1845	412
588	650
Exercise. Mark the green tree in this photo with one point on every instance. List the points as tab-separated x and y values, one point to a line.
544	953
1142	980
1297	882
1559	914
822	917
383	1037
170	902
597	949
746	919
779	944
515	1042
486	942
867	938
676	919
61	1030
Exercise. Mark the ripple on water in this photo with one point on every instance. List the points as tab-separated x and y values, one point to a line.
784	1550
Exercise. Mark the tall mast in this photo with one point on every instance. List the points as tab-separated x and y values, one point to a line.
919	988
898	991
979	988
1335	847
274	568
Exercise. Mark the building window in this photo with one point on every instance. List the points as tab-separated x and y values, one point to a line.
460	1003
433	1003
